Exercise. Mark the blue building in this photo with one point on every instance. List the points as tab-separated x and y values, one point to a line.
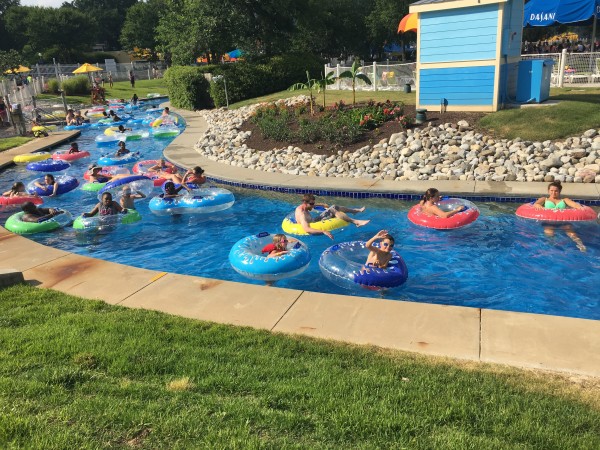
468	52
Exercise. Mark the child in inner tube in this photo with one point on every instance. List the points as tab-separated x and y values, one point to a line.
106	207
278	247
127	200
17	190
49	183
171	191
74	148
380	256
36	214
122	149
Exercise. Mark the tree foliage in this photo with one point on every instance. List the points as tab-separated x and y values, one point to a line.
139	28
9	60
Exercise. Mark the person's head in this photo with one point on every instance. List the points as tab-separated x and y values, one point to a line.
29	207
70	111
387	243
308	200
126	191
280	241
94	169
170	188
121	145
198	170
431	194
112	113
166	110
121	128
75	145
107	199
49	178
18	187
104	113
554	189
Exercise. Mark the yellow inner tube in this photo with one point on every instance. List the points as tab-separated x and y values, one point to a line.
111	130
31	157
323	225
44	128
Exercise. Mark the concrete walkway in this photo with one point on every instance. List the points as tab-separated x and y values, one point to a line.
37	145
526	340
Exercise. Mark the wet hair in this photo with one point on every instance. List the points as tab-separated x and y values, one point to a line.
198	170
50	176
429	194
277	238
28	207
308	198
121	128
15	187
169	184
106	195
556	184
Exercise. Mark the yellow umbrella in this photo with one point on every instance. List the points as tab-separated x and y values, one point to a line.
20	69
87	67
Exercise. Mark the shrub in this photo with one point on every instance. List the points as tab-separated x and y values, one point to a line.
53	85
79	85
188	88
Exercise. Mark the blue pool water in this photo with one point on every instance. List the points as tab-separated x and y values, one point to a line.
500	262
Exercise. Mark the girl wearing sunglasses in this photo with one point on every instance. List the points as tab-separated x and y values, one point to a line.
380	256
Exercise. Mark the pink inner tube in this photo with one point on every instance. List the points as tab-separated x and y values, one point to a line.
20	199
458	220
110	171
141	167
64	155
527	211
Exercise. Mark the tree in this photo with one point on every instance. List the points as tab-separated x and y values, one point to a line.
382	22
10	60
355	74
323	82
310	84
139	28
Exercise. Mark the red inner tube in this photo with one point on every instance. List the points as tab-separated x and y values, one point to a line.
457	220
69	156
527	211
20	199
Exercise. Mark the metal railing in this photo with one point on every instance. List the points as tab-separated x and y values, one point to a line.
383	76
576	68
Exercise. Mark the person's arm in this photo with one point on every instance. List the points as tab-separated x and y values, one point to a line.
93	212
436	211
54	189
183	186
380	235
571	204
6	194
310	230
139	194
276	253
539	204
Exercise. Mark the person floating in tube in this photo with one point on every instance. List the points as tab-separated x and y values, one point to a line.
429	206
553	201
380	256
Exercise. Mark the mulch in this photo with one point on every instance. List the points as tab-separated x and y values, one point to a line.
257	142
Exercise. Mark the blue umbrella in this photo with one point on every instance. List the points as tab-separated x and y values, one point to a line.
237	52
543	13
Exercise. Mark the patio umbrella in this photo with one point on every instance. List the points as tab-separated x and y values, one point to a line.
544	13
235	53
20	69
408	23
86	68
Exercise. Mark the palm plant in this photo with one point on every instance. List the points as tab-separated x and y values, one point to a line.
326	80
355	74
310	84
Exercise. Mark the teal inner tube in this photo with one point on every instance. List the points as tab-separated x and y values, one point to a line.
17	226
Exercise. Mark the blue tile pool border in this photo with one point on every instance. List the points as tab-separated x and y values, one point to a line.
376	194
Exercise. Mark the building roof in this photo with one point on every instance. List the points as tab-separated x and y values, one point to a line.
429	2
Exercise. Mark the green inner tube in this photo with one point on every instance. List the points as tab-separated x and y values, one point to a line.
92	187
16	225
96	222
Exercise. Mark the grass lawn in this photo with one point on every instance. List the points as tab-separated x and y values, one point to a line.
578	110
8	143
84	374
120	89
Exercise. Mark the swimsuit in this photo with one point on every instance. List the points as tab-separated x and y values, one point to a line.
107	210
548	204
329	213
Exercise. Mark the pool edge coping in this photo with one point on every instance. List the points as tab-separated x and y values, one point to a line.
502	337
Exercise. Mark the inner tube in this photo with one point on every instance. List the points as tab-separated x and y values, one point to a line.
141	167
103	141
44	128
111	160
48	165
106	223
18	200
92	187
77	127
64	155
290	225
66	183
110	171
458	220
138	183
204	201
16	225
527	211
247	259
343	265
165	132
31	157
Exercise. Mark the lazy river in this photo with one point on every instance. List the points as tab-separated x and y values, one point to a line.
499	262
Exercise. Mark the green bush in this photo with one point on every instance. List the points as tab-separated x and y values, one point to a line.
188	88
53	85
79	85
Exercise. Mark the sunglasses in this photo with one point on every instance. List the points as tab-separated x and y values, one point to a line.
385	244
311	203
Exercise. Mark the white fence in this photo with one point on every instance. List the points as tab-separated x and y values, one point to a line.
576	68
383	76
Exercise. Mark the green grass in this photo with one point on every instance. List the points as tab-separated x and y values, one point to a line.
8	143
84	374
333	96
120	89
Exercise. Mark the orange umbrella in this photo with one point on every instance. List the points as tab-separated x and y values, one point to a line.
408	23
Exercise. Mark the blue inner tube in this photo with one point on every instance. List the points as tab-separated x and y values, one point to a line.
204	201
66	183
48	165
343	265
248	260
137	183
108	160
78	127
